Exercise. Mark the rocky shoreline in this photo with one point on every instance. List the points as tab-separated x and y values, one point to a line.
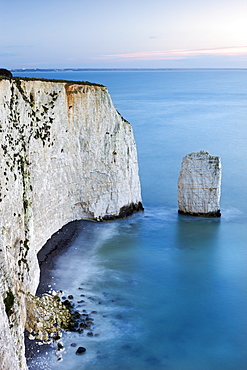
51	313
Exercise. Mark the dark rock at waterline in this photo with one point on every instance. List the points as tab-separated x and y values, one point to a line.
90	334
70	296
215	214
73	344
80	350
72	326
76	315
60	346
67	303
84	326
125	211
56	337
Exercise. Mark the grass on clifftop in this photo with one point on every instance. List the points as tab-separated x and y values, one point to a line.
57	81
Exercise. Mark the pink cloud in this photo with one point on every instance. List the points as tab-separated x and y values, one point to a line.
179	53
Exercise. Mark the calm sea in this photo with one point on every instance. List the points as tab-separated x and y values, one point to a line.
170	291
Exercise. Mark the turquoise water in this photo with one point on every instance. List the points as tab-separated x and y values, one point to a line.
172	289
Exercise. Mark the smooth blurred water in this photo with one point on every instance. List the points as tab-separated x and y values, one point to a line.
172	289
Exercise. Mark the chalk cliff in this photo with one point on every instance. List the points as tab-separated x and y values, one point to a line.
66	154
199	185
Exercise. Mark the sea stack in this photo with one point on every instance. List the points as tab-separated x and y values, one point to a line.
199	185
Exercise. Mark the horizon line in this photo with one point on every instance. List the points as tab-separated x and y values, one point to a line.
123	68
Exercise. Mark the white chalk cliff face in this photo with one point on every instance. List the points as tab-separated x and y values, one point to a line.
199	185
66	154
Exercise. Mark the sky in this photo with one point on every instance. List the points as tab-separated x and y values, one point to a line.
123	34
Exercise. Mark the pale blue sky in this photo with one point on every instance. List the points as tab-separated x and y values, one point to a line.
123	33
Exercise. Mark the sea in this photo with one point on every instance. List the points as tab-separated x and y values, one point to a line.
167	291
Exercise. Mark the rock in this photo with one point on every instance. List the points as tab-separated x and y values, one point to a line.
31	337
199	185
80	351
70	297
67	303
73	344
90	334
60	347
84	326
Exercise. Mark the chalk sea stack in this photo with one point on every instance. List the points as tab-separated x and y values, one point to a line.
199	185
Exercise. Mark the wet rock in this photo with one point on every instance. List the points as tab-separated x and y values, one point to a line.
80	350
90	334
31	337
76	315
56	337
94	312
70	296
60	347
73	345
67	303
84	326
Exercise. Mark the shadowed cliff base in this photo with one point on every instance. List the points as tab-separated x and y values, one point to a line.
125	211
208	214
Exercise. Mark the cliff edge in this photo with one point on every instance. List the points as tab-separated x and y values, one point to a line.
66	154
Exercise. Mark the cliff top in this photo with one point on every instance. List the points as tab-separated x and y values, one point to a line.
54	80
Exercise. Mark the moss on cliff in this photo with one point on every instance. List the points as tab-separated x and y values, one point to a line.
9	302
